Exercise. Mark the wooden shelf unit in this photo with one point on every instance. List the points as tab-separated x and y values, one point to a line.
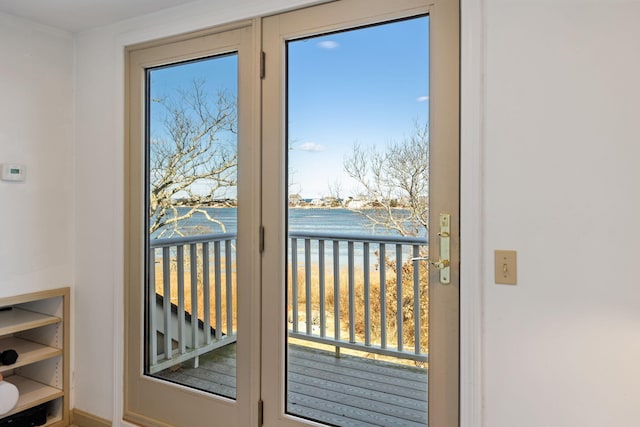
37	326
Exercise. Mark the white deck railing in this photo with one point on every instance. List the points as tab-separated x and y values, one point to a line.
179	334
183	334
358	251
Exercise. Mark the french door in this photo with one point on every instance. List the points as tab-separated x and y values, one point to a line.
360	268
292	220
192	258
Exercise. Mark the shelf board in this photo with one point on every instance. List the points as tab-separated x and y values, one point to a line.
31	393
16	320
28	352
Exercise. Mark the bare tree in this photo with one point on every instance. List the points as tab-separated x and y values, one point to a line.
194	160
335	191
395	181
292	184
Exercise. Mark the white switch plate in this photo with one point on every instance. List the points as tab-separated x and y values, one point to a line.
13	172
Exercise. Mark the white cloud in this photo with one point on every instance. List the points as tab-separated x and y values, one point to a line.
328	44
310	146
422	98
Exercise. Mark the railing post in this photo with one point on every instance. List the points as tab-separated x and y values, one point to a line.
416	299
152	307
181	320
193	261
307	286
321	290
166	302
218	291
383	295
228	258
336	293
399	314
294	284
206	293
367	295
352	293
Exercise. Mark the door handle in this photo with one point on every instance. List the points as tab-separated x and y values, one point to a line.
443	265
439	265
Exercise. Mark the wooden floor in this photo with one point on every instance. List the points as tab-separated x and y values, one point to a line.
346	391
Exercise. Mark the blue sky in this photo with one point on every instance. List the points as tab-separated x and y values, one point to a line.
366	86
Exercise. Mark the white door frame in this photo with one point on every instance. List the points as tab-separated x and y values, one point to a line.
472	71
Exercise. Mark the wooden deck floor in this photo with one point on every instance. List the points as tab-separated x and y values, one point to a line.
348	391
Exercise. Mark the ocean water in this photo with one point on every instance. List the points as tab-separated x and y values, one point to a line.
318	220
333	221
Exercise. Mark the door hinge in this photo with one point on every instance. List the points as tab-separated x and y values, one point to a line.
262	64
261	239
260	412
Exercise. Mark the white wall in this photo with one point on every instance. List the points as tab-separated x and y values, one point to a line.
561	151
561	100
36	129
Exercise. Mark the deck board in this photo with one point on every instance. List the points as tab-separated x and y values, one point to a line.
347	391
302	391
374	397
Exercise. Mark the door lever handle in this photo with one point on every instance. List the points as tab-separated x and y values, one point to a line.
443	264
440	264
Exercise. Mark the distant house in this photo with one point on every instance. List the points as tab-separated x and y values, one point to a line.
331	201
357	204
295	200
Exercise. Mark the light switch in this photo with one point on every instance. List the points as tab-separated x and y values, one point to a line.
506	270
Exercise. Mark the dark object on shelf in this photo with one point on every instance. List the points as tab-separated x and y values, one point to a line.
32	417
8	357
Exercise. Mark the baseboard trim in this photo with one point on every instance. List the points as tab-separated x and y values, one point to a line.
84	419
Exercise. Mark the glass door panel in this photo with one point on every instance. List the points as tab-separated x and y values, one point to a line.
191	258
358	225
360	282
192	180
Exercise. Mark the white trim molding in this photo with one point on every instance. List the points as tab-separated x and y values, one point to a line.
472	214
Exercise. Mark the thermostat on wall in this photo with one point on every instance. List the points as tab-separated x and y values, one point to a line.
13	172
